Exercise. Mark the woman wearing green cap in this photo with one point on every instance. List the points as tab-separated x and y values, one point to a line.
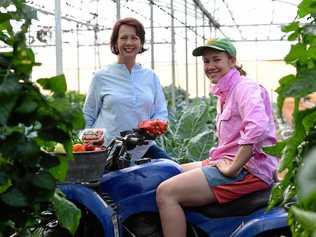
237	165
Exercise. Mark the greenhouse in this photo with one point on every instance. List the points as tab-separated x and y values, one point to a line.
123	118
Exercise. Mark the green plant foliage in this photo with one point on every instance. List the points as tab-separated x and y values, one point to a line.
67	211
295	152
191	131
180	96
75	98
28	121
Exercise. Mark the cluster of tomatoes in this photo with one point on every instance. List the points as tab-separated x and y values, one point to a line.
154	127
82	147
92	140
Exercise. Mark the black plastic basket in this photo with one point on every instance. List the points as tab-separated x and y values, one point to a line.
86	166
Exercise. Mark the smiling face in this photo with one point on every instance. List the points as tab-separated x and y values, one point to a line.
217	64
128	44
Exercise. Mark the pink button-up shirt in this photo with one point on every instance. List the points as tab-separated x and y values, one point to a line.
244	116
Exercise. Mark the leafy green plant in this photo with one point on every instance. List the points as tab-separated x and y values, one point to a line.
293	151
191	131
180	97
28	120
75	98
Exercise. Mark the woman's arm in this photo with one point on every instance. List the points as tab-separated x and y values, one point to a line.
232	168
254	126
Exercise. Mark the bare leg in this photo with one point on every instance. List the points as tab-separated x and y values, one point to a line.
186	189
189	166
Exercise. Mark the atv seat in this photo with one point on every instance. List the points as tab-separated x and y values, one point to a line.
240	207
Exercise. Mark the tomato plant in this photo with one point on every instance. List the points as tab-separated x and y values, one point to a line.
295	151
30	119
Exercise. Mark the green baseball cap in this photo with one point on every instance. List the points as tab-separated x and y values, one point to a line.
218	44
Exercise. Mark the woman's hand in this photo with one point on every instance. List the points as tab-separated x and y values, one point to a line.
226	168
231	168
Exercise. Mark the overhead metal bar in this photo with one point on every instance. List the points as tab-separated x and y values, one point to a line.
207	14
62	17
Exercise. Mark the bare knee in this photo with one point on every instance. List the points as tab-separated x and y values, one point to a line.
164	194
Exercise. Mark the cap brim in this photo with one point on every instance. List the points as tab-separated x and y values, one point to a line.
200	50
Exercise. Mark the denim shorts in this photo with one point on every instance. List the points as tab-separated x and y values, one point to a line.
216	178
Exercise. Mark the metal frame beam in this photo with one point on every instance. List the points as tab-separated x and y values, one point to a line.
207	14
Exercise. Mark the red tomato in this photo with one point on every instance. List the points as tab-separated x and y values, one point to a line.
78	147
89	147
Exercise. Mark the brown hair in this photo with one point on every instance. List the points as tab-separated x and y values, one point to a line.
239	68
140	32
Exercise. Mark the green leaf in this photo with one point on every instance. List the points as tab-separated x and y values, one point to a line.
293	26
24	61
306	7
293	36
309	120
53	133
28	105
67	213
306	218
285	83
60	171
55	84
5	59
298	52
311	52
276	150
48	160
304	84
198	146
69	113
5	3
9	90
291	149
18	147
192	121
5	182
306	177
14	197
29	12
5	110
44	180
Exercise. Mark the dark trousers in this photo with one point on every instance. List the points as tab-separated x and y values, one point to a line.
155	152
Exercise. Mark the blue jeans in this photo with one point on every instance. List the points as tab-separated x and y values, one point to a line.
155	152
216	178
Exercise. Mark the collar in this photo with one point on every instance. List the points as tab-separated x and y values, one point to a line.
136	66
224	85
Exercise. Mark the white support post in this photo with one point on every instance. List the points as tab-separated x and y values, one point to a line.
58	38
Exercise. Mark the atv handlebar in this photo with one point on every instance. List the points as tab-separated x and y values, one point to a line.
116	152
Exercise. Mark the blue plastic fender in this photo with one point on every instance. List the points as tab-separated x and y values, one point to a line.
91	200
274	219
138	179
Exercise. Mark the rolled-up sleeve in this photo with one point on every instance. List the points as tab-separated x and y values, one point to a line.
255	121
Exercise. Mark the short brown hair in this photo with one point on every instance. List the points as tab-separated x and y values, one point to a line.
140	32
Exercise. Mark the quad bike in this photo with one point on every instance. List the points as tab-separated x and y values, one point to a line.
121	201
